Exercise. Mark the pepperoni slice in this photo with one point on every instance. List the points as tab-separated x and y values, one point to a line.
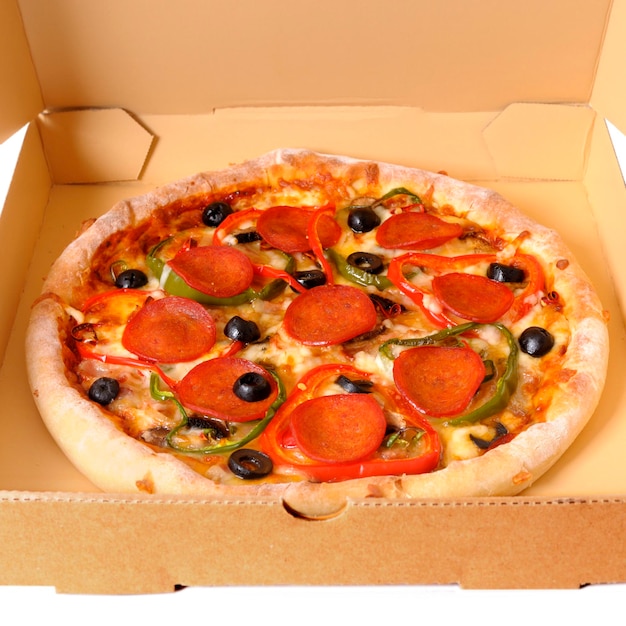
208	389
285	228
416	231
339	428
218	271
170	330
473	297
329	315
437	380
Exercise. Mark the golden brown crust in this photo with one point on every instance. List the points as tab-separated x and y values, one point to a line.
99	449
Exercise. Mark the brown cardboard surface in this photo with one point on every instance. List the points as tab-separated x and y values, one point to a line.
453	55
94	145
21	95
505	107
151	545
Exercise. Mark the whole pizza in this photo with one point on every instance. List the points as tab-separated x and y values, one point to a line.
316	328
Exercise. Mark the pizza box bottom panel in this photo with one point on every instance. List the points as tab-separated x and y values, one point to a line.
31	461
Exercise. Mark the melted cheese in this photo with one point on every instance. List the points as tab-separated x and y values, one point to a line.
139	413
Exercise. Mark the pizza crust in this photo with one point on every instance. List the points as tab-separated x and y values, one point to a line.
115	462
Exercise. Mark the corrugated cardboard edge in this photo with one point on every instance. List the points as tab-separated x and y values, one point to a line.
136	545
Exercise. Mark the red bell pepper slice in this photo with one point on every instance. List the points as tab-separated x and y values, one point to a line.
231	222
516	307
279	442
535	283
267	271
317	243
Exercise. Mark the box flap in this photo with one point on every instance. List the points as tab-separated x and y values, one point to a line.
192	56
609	92
27	195
21	97
94	145
540	141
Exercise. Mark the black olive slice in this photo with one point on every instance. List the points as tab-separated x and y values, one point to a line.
505	273
484	444
310	278
131	279
215	213
248	464
386	305
354	386
104	390
239	329
366	261
218	428
536	341
363	219
252	387
248	237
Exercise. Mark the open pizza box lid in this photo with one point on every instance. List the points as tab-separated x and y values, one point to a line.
108	100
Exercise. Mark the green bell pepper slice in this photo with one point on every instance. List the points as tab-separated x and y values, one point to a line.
505	386
162	395
356	274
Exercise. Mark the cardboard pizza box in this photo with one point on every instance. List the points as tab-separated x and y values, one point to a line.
109	100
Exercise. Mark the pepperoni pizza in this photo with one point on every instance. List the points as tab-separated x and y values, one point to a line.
316	328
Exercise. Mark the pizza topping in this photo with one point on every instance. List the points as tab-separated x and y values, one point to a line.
535	282
473	297
363	219
339	428
329	438
505	273
310	278
209	389
366	261
402	194
506	384
170	330
501	433
536	341
386	306
286	228
354	386
248	464
104	390
215	213
329	315
176	440
249	236
317	241
359	275
218	271
239	329
131	279
439	381
213	427
252	387
416	231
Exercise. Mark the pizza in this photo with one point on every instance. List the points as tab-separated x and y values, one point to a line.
316	328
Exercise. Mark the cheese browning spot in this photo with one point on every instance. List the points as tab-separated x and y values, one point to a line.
146	484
